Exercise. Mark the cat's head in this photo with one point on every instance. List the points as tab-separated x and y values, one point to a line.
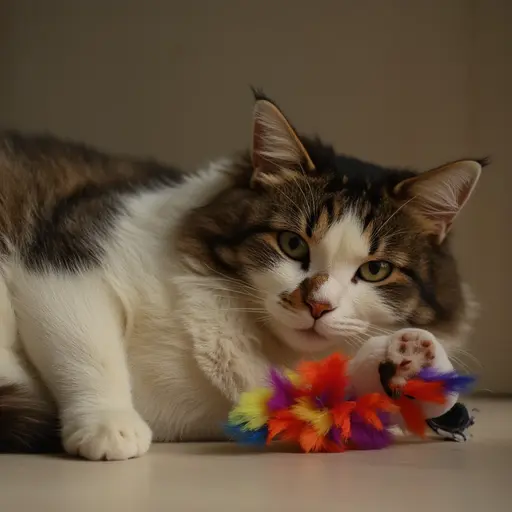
328	246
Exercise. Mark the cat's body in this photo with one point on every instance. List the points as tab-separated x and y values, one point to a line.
129	290
167	315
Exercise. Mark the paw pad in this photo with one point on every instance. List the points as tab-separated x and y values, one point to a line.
411	350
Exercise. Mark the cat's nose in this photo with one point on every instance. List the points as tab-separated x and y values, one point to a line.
318	309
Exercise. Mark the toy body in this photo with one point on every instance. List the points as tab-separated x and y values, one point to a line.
404	379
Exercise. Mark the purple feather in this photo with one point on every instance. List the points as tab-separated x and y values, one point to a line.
283	396
366	437
452	381
335	435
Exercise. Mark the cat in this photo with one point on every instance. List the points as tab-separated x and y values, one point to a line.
137	301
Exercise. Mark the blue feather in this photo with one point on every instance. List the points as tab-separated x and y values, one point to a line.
452	381
242	435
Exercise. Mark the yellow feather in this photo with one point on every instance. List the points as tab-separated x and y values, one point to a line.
319	419
293	377
252	409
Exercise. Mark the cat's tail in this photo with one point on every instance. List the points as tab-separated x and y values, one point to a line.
27	423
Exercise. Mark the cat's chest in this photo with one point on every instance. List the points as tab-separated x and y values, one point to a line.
170	390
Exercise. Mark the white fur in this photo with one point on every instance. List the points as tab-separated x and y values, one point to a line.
144	341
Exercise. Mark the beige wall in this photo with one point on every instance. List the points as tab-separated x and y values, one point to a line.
396	81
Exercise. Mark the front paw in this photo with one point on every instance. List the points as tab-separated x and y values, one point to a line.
107	435
410	350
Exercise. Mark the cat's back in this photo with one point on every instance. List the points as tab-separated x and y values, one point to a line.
59	197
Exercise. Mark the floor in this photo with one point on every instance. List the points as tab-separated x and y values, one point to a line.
412	475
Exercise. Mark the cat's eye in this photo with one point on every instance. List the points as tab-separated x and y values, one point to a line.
293	245
375	271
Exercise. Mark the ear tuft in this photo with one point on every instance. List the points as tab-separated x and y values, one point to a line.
259	94
438	196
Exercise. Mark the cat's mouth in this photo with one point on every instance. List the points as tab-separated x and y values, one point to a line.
309	339
307	334
313	334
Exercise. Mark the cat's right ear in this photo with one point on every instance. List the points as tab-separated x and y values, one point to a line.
436	197
277	152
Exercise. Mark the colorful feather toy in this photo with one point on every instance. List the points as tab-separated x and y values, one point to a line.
315	408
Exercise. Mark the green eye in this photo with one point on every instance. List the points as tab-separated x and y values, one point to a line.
375	271
294	246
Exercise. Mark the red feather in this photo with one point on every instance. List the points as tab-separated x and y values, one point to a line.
425	391
412	415
327	378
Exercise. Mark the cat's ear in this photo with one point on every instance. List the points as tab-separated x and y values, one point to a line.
277	151
437	196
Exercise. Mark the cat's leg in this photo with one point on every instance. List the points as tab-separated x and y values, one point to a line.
224	348
71	327
229	364
28	422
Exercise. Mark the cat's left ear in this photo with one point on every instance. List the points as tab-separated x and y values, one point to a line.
436	197
277	152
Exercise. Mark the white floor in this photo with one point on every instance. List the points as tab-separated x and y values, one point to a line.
432	476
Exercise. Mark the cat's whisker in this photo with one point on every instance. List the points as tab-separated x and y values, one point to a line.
288	208
314	203
246	310
393	233
355	343
459	362
352	343
247	293
214	286
239	286
309	206
359	338
265	319
215	283
227	299
229	278
392	215
379	330
470	356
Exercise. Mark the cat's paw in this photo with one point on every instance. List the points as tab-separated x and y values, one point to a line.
107	435
410	350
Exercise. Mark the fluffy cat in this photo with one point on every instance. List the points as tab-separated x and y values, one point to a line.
137	302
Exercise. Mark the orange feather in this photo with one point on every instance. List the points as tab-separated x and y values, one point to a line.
310	441
285	424
341	416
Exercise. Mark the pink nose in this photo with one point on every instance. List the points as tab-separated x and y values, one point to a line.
318	309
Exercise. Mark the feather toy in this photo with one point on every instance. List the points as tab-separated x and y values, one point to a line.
316	408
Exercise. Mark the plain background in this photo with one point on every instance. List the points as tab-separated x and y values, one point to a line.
394	81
